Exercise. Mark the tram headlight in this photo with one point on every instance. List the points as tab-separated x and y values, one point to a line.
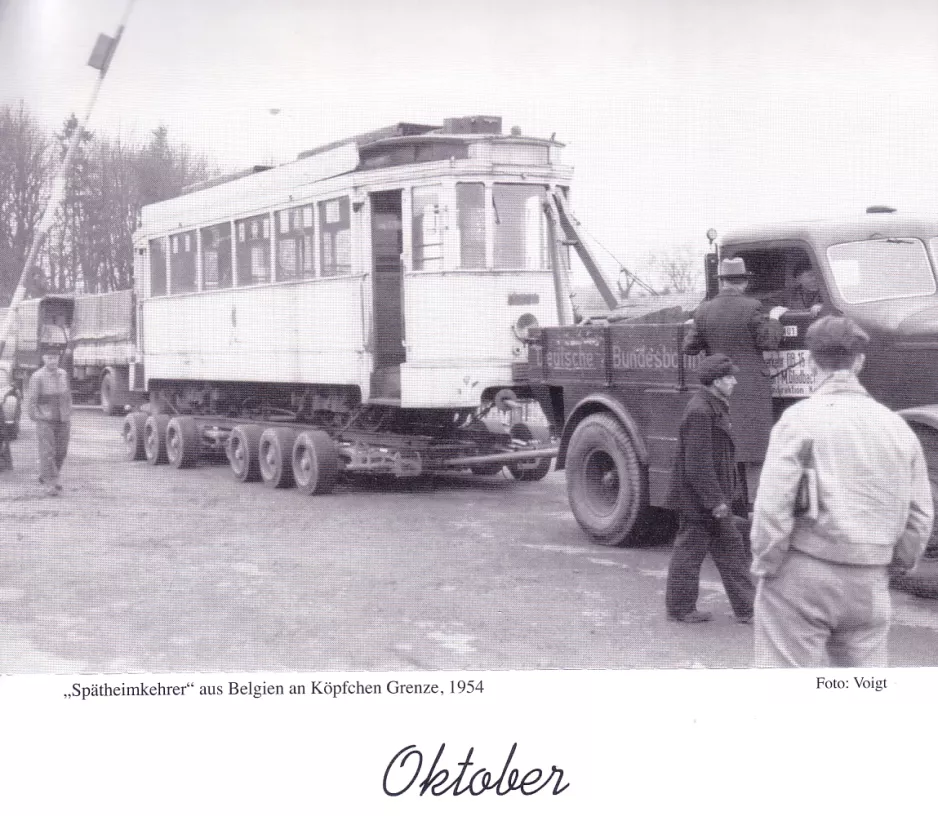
523	326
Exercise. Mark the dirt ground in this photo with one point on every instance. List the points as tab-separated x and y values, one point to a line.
142	568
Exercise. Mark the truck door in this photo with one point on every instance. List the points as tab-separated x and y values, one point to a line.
387	246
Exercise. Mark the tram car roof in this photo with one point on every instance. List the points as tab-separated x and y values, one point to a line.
258	187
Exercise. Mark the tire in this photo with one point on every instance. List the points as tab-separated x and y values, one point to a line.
154	439
182	442
275	453
489	469
928	438
242	452
132	436
109	393
605	482
12	422
525	471
315	463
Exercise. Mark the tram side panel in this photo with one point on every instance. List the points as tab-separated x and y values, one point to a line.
304	332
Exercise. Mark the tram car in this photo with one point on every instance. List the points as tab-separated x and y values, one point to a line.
362	308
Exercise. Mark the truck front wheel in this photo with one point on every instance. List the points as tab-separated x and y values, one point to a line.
604	479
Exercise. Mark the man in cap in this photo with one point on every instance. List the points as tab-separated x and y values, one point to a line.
703	486
736	325
822	596
49	405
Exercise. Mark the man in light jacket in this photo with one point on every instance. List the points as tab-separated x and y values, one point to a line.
822	597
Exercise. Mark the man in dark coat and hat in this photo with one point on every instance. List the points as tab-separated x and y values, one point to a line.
703	486
736	325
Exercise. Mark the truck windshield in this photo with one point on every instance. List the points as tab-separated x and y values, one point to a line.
883	269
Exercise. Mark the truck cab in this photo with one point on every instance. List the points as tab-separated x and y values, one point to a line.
880	270
616	389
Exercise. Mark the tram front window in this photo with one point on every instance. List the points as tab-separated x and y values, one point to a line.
470	204
426	229
520	227
157	267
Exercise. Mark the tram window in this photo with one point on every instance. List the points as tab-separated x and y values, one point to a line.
470	205
336	237
427	229
254	250
182	270
295	243
157	267
520	227
216	256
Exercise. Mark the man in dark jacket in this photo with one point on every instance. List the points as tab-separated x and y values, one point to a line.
804	295
703	485
735	325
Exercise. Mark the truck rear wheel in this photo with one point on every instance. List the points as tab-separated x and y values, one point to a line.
604	479
182	442
315	463
154	439
275	450
242	452
132	436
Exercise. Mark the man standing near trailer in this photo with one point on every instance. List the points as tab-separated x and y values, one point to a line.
49	405
703	486
736	325
822	554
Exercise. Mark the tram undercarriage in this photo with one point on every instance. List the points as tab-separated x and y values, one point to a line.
309	437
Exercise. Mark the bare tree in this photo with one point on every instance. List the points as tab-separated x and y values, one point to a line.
67	248
680	268
25	159
91	248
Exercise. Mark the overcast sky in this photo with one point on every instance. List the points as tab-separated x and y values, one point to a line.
678	115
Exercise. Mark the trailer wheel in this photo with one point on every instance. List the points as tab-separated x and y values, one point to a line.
133	436
604	479
182	442
527	471
275	450
154	439
242	452
315	463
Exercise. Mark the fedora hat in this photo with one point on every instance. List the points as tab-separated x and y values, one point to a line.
733	268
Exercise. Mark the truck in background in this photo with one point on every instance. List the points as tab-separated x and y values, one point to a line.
100	331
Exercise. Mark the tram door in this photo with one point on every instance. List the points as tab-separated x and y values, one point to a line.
387	245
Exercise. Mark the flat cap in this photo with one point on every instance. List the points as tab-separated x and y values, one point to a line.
836	334
716	366
733	268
